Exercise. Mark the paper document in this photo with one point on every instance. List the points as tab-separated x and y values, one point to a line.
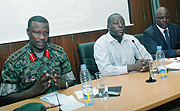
79	94
173	65
68	103
48	98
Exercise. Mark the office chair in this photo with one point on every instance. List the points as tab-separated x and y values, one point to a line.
140	38
86	56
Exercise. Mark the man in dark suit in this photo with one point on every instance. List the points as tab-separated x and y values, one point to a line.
164	34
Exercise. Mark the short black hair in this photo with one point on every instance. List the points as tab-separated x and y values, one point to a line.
37	19
110	18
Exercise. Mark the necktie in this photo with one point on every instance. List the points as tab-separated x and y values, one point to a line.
167	39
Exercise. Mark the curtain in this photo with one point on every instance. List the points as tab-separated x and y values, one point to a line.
155	4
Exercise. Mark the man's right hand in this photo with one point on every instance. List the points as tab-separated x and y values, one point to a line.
41	84
39	87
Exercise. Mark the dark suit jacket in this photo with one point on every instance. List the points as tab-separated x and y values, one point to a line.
153	38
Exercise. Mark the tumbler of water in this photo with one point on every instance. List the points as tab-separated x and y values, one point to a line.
102	86
153	68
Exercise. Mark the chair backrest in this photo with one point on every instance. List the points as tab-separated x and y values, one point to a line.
86	56
140	38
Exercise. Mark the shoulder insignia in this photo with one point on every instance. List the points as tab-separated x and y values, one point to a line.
13	57
56	47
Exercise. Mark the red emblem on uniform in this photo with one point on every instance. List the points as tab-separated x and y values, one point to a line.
47	53
32	57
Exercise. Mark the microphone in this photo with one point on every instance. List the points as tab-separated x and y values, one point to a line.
138	49
150	80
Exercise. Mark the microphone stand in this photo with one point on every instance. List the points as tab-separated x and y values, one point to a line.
150	80
138	49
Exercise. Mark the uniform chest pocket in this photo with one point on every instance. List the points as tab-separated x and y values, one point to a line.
57	69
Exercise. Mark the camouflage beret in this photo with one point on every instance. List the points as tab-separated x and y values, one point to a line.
31	107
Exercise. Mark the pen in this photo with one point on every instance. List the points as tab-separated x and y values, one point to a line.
52	106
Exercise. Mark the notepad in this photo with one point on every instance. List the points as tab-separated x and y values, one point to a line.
68	103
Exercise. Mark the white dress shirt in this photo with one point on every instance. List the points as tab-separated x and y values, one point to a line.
113	57
162	31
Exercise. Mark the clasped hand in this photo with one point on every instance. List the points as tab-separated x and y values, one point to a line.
44	82
142	65
56	79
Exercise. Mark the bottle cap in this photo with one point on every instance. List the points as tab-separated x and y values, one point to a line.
83	66
159	47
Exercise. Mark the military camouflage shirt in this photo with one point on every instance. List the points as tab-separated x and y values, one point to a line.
23	68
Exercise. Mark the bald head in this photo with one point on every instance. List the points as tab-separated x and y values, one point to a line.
162	9
162	17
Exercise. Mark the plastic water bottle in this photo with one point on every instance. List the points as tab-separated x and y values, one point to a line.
161	64
87	88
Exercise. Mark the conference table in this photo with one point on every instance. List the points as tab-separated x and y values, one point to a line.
135	94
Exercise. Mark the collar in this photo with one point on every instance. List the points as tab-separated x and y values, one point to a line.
32	55
161	29
111	39
33	58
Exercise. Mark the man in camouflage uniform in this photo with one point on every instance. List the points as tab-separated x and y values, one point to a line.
37	68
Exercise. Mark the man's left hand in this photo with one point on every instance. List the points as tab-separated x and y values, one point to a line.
58	81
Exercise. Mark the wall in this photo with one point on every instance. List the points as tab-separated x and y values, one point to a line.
174	9
141	18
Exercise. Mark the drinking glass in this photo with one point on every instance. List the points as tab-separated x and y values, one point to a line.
153	68
102	86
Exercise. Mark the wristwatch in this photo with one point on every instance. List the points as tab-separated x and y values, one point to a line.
67	84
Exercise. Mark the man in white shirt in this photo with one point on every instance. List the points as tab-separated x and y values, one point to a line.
119	53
